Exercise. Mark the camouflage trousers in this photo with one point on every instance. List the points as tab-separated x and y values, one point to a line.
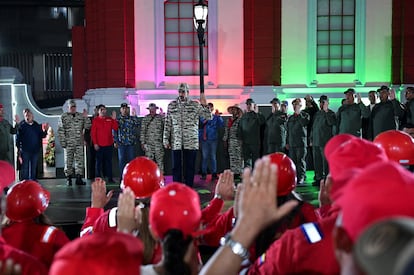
235	154
156	153
74	155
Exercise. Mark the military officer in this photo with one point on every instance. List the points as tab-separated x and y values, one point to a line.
71	128
152	130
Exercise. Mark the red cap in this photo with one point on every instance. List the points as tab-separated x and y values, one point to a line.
175	206
286	173
383	190
335	142
349	159
8	175
26	200
99	253
143	176
398	145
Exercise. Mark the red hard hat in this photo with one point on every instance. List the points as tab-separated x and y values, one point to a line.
26	200
398	145
8	175
143	176
286	173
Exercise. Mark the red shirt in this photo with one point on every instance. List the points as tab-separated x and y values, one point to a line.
30	265
101	131
293	253
40	241
223	223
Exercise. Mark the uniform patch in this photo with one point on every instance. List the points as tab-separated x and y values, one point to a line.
312	232
262	259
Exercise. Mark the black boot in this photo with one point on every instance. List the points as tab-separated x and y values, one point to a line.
69	181
214	176
203	177
79	180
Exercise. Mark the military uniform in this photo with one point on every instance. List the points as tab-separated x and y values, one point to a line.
249	133
70	132
322	131
275	132
181	133
234	145
385	116
349	118
181	124
152	129
6	148
297	140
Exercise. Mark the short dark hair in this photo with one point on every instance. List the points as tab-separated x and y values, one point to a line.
100	106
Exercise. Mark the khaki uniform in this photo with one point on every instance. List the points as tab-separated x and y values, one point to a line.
152	129
70	133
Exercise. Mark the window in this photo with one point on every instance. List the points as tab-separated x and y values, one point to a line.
181	42
335	32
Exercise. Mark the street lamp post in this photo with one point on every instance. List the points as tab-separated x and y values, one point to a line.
200	22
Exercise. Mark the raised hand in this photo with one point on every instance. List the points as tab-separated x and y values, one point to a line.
359	100
128	216
392	94
17	119
99	197
225	185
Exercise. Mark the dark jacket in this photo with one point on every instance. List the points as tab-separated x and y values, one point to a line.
385	116
275	131
249	128
29	137
349	118
297	130
322	129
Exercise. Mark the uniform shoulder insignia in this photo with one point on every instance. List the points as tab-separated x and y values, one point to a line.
262	259
112	217
312	232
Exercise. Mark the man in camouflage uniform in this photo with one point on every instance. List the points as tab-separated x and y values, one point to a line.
126	136
232	142
152	131
181	133
70	131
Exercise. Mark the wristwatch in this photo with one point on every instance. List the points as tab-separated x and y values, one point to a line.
236	247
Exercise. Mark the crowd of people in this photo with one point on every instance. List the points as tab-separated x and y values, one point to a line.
363	219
